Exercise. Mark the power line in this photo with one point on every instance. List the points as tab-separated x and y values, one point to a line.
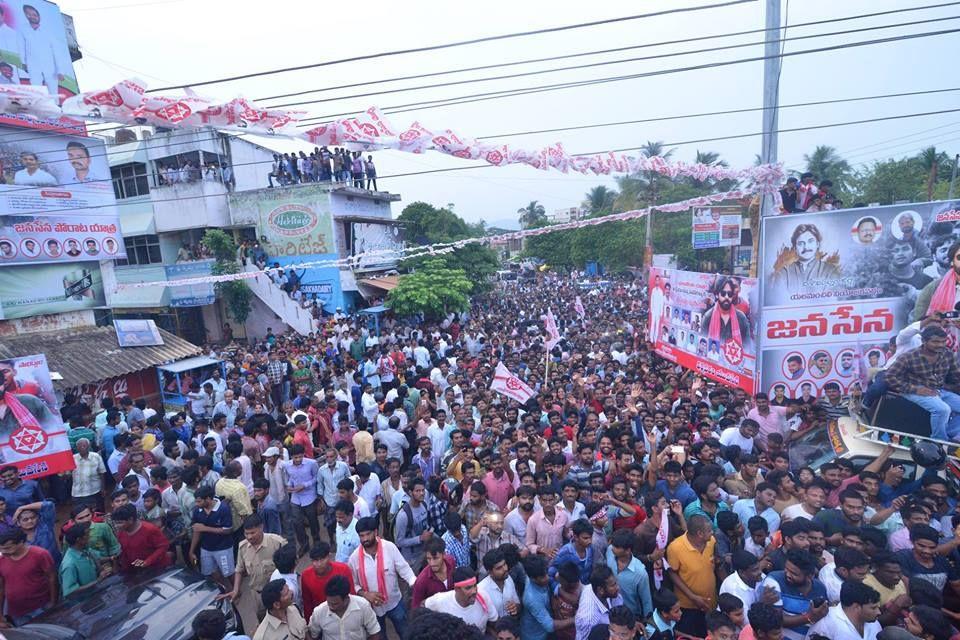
479	166
605	51
461	43
604	63
494	95
715	113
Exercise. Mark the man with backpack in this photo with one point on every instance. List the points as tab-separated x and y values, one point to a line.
411	529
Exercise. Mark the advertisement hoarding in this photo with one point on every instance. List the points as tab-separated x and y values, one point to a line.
705	322
290	222
34	51
717	226
838	285
57	202
369	237
32	434
137	333
196	295
50	288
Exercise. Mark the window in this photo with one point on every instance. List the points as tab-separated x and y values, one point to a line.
130	180
141	250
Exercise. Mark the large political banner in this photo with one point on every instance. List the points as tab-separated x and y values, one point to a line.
50	288
57	202
838	285
290	222
32	435
706	323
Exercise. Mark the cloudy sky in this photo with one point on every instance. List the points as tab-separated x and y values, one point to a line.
173	42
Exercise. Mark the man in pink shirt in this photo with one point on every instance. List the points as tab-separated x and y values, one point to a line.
771	419
499	483
546	528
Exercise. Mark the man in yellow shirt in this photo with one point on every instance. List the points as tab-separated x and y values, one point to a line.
283	620
232	489
691	559
363	444
887	580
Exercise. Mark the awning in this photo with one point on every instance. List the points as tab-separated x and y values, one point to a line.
386	283
90	354
138	223
190	363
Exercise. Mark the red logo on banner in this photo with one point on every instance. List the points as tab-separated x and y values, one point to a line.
176	112
110	97
513	384
494	157
28	440
733	352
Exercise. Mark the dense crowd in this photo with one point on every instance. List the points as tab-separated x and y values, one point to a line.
323	165
627	498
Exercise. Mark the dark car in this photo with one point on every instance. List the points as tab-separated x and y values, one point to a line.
151	606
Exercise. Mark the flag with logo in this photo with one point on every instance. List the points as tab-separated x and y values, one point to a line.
510	385
578	307
553	333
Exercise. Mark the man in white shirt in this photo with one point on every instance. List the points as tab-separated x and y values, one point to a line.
344	616
13	45
377	566
855	618
741	436
498	589
422	356
44	63
849	565
744	579
464	602
218	383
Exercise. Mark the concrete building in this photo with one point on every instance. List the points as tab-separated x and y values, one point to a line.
172	186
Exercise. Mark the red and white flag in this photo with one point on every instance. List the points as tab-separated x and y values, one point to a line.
663	536
553	333
578	307
510	385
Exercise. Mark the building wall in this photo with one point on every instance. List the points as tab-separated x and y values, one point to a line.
190	205
250	163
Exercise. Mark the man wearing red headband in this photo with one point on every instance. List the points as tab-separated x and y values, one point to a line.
464	602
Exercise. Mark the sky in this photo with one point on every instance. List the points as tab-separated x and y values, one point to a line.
167	42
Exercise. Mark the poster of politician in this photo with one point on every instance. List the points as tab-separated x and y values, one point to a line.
57	202
33	47
705	322
838	285
32	435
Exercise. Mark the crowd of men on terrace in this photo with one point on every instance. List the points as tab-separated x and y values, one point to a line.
323	165
627	499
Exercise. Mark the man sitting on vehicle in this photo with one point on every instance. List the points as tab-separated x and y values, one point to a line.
925	376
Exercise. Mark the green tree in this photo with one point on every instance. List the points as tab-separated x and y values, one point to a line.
235	293
433	289
599	199
532	214
426	224
887	181
930	161
826	164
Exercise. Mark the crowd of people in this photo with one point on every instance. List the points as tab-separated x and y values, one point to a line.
323	165
354	484
192	171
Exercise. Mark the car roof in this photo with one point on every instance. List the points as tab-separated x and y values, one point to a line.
152	606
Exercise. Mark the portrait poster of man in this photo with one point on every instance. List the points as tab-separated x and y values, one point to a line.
704	322
33	47
839	282
32	434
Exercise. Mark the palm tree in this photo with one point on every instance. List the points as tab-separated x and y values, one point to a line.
532	214
600	198
930	160
651	149
826	164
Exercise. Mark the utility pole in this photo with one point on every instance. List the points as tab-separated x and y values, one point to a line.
953	176
771	93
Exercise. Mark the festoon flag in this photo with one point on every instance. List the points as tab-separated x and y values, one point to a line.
510	385
553	333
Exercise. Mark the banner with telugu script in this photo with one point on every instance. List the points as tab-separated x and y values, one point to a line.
837	285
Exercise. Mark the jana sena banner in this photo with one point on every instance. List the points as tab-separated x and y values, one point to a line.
705	322
838	285
32	435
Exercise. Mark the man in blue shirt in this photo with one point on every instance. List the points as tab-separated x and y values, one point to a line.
579	552
16	491
631	574
213	534
803	598
536	622
761	505
672	485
